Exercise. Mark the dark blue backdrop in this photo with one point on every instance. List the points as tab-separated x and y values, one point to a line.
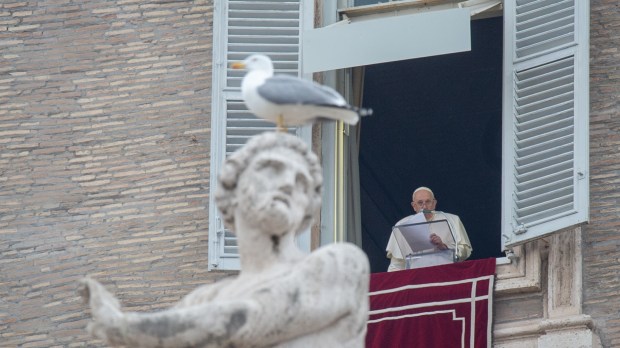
436	123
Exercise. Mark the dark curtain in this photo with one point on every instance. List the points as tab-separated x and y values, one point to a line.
436	123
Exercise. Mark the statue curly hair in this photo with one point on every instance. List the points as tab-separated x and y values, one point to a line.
238	162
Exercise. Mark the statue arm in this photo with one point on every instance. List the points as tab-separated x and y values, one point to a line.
329	288
204	325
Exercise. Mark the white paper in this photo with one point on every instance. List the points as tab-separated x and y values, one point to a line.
413	235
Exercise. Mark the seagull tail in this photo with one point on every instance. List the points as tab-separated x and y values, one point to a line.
362	111
351	114
345	115
348	114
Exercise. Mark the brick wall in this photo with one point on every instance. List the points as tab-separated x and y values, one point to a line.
602	238
104	159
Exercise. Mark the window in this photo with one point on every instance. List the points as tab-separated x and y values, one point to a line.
544	120
544	159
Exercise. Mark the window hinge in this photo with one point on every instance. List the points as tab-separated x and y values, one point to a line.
510	255
520	229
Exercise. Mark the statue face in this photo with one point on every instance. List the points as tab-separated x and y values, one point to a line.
274	191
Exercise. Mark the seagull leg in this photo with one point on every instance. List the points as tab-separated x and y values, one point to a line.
281	123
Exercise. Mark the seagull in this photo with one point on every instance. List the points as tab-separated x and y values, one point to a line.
290	101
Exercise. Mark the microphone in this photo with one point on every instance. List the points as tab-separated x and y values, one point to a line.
426	211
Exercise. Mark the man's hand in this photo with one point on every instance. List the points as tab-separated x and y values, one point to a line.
437	242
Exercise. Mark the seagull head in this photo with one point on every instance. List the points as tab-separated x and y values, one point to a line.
255	62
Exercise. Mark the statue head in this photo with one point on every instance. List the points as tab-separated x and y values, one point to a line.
274	180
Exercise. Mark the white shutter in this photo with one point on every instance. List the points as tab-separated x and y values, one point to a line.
545	116
269	27
242	28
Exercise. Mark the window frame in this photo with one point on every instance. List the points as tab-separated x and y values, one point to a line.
580	51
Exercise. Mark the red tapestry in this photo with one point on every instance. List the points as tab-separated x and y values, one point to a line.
440	306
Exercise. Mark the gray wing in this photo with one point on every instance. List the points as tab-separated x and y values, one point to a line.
284	89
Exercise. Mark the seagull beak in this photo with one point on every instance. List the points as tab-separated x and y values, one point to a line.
237	65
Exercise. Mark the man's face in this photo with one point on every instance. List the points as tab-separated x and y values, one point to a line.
423	200
275	190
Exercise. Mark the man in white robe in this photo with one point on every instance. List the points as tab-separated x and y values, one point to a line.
423	201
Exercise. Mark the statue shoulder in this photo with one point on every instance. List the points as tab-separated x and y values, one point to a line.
341	257
205	293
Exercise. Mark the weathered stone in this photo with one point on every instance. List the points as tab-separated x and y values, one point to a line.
269	191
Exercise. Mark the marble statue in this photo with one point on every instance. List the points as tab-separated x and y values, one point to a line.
269	191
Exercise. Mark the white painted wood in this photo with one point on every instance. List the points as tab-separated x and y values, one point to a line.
242	28
389	38
545	118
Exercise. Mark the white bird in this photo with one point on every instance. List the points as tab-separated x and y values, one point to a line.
290	101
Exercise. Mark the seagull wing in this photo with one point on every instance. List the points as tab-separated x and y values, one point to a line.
284	89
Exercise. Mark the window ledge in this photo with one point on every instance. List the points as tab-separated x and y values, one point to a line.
522	274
